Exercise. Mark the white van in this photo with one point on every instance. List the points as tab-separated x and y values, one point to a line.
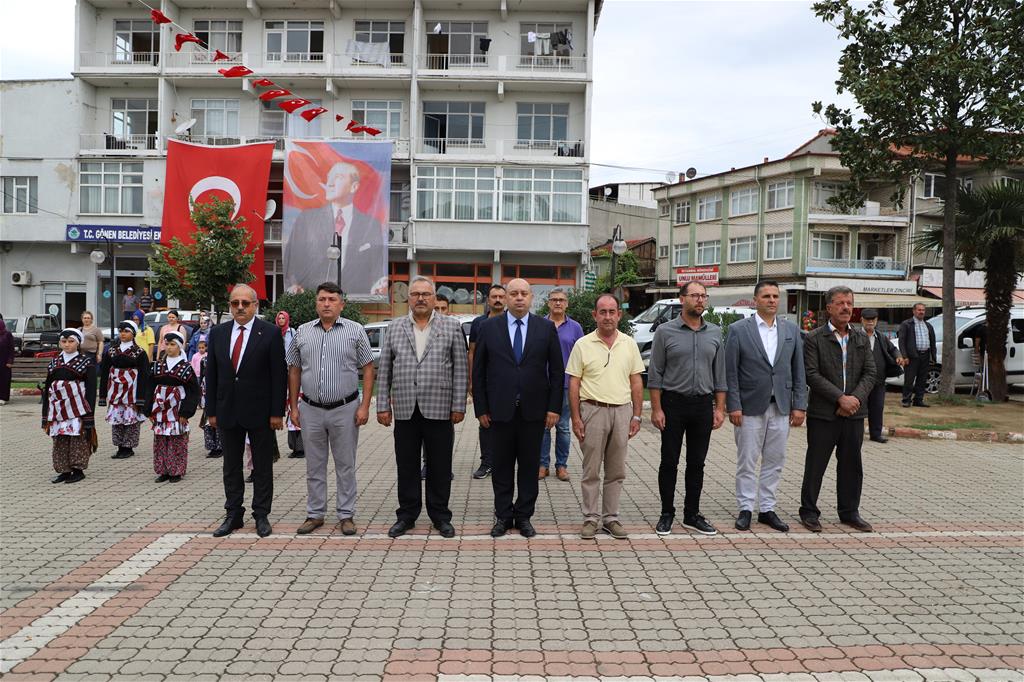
968	322
664	310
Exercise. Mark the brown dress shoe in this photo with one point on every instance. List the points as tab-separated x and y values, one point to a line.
857	523
562	473
543	474
348	527
309	526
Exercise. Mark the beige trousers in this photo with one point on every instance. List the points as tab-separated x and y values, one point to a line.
605	443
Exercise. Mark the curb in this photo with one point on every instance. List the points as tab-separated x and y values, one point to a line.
26	391
975	436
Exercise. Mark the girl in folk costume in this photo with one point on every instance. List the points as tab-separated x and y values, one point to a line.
69	401
124	375
172	398
284	322
211	439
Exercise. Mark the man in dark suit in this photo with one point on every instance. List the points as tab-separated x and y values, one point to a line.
245	396
917	343
517	393
840	374
359	236
885	356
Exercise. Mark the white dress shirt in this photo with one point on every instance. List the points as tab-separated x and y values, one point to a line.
245	339
512	328
346	212
769	337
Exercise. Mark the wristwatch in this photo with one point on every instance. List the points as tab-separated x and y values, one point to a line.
638	419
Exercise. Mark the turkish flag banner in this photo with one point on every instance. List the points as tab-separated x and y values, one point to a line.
197	172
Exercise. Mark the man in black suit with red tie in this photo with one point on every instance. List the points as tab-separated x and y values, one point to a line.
517	392
245	395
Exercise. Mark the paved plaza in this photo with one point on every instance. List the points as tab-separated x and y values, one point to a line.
118	578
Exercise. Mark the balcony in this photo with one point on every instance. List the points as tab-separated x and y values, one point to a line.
128	61
507	64
567	151
390	62
184	60
871	213
127	145
880	266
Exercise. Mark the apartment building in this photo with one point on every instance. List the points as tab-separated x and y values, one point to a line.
487	104
773	220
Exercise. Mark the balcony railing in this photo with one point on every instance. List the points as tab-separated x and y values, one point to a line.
457	145
442	62
544	63
538	64
391	61
272	231
270	58
108	142
542	148
880	266
180	60
118	59
532	149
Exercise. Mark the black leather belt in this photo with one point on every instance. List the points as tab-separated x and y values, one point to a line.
600	404
330	406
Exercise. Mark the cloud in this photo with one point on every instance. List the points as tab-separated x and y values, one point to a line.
37	39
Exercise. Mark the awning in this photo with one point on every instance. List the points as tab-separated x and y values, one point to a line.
892	301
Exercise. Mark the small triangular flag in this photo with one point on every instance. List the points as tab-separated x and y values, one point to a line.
290	105
182	38
310	114
159	17
218	55
235	71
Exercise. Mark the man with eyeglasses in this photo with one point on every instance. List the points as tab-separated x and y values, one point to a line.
688	385
569	332
245	396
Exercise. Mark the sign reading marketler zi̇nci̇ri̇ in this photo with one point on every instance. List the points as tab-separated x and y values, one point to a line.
115	233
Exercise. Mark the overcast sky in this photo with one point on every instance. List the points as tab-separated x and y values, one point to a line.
708	85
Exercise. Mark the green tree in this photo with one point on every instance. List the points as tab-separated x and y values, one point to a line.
302	308
935	81
989	231
581	309
723	320
218	257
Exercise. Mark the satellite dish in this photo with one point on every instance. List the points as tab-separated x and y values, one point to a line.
400	292
607	191
271	208
670	177
185	127
691	172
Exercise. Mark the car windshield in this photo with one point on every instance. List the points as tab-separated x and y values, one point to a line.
651	314
373	334
936	323
43	323
12	325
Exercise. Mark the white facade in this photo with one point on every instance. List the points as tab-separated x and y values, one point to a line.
517	121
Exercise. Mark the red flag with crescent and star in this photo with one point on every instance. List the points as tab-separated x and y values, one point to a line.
197	172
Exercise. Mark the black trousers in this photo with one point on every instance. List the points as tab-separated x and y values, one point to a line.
515	442
915	378
692	417
264	445
434	438
876	405
845	436
486	447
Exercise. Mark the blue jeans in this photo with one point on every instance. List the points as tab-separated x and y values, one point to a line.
561	438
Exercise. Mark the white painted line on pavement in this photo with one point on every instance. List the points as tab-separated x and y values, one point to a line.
904	675
58	620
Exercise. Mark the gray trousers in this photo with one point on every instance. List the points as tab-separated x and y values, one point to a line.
336	428
760	437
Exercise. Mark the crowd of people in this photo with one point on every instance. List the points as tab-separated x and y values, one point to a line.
527	375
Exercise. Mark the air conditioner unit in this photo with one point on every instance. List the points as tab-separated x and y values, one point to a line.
882	263
21	278
872	208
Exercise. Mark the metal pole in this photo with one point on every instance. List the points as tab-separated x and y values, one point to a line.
113	289
615	258
337	243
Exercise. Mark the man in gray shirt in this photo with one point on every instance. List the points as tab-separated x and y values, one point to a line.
687	384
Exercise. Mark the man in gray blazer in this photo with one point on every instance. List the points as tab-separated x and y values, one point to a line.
422	383
767	393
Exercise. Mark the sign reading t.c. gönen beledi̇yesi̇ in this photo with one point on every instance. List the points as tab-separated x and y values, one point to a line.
115	233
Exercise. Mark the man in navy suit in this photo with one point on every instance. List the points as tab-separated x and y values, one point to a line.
517	393
245	395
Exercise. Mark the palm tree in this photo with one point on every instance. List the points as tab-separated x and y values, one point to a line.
990	233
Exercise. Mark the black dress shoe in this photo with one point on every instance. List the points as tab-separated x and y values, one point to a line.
743	520
231	523
857	523
60	478
770	518
526	528
174	479
161	478
500	528
212	454
248	479
119	454
446	529
263	528
128	452
400	527
76	476
810	523
904	403
482	472
880	439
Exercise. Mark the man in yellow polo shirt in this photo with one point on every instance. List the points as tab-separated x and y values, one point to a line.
605	399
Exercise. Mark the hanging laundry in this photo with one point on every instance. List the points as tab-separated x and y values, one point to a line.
568	37
531	37
485	44
437	28
368	53
542	46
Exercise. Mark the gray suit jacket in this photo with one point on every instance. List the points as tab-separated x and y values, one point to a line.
752	380
438	383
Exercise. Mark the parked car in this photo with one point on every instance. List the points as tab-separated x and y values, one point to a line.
375	332
969	322
189	318
466	321
661	312
34	333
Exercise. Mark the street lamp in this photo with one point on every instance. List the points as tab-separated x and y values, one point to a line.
334	254
618	248
97	257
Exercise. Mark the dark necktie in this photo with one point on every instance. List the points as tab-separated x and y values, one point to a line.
236	351
517	344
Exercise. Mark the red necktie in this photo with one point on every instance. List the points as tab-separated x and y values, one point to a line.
236	351
339	224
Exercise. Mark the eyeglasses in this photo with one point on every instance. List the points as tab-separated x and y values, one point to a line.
698	297
241	304
557	300
420	294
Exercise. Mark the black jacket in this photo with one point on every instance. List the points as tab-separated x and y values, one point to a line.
181	374
884	354
81	368
256	393
133	358
823	363
908	340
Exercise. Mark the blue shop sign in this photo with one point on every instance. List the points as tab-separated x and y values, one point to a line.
115	233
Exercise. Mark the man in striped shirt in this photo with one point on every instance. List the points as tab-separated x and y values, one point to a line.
324	361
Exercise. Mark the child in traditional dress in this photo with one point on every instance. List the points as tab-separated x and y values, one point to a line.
69	401
124	374
173	397
211	439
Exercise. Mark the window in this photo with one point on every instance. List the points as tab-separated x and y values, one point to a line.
457	44
743	201
462	283
781	194
295	41
277	123
827	246
663	251
823	191
390	32
111	187
20	194
136	41
452	123
663	208
709	207
134	121
778	246
218	34
400	201
541	50
564	275
385	115
934	186
542	195
215	117
709	253
459	193
682	216
742	249
680	255
538	122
